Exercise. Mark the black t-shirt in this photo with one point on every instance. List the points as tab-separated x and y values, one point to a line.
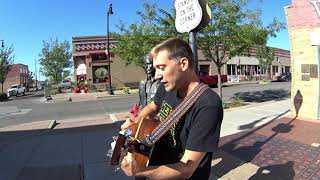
198	130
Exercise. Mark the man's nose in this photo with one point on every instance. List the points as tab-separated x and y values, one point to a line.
158	76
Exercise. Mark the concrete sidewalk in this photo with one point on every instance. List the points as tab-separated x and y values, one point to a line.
77	97
76	150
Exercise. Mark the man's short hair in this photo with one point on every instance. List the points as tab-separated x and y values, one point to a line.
176	48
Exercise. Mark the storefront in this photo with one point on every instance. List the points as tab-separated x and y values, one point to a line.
91	64
247	68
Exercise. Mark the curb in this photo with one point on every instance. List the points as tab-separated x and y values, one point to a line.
255	104
39	125
240	83
115	95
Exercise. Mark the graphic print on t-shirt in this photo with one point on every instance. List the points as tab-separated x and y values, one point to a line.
165	110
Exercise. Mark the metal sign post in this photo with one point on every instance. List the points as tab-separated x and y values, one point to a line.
193	45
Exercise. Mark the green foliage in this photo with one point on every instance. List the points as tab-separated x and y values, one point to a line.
236	102
233	30
126	90
6	60
265	56
54	58
136	40
65	73
3	96
82	85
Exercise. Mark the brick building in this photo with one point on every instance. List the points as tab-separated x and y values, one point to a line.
303	19
91	64
246	68
19	74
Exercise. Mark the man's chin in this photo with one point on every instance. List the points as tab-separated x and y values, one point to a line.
168	88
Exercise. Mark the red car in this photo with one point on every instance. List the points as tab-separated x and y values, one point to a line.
212	81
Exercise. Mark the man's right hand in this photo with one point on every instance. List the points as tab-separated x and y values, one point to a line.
127	124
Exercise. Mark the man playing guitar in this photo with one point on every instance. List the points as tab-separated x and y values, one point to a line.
185	151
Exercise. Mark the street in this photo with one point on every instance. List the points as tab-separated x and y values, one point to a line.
257	92
33	107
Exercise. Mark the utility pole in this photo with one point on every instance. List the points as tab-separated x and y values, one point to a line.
35	67
110	12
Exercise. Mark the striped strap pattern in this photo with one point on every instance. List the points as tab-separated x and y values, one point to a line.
176	114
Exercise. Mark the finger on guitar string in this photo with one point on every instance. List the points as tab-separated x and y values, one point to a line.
127	123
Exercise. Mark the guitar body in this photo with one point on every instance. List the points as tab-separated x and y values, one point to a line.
139	132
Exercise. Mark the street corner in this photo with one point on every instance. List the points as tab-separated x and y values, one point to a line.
15	133
38	125
116	117
79	123
9	109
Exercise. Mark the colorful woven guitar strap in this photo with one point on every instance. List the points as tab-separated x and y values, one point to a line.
175	115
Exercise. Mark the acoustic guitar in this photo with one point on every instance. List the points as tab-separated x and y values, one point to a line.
130	140
139	139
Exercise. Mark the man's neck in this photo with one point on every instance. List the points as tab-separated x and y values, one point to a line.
191	82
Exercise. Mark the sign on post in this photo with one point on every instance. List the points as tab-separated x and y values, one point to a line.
191	14
188	15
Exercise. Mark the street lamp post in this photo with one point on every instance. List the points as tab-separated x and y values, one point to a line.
110	12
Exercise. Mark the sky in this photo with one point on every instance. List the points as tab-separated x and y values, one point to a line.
25	24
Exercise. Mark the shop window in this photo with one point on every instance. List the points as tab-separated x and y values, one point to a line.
274	70
229	69
204	70
100	74
99	57
287	69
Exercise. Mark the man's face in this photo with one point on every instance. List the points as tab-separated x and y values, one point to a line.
167	71
148	66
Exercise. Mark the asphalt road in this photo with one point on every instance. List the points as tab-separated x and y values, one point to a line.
33	108
257	92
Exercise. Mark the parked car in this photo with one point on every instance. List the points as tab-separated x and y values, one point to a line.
16	89
284	77
212	81
66	84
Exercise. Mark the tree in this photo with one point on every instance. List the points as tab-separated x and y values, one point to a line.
233	30
54	58
265	56
6	61
135	41
66	74
30	79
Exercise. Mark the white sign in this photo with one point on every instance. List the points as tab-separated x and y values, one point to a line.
188	15
233	78
315	38
82	69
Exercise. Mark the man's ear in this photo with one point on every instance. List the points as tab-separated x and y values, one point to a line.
184	63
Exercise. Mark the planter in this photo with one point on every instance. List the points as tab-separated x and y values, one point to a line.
264	82
84	90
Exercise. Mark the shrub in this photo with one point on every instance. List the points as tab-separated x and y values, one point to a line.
236	102
3	96
126	90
